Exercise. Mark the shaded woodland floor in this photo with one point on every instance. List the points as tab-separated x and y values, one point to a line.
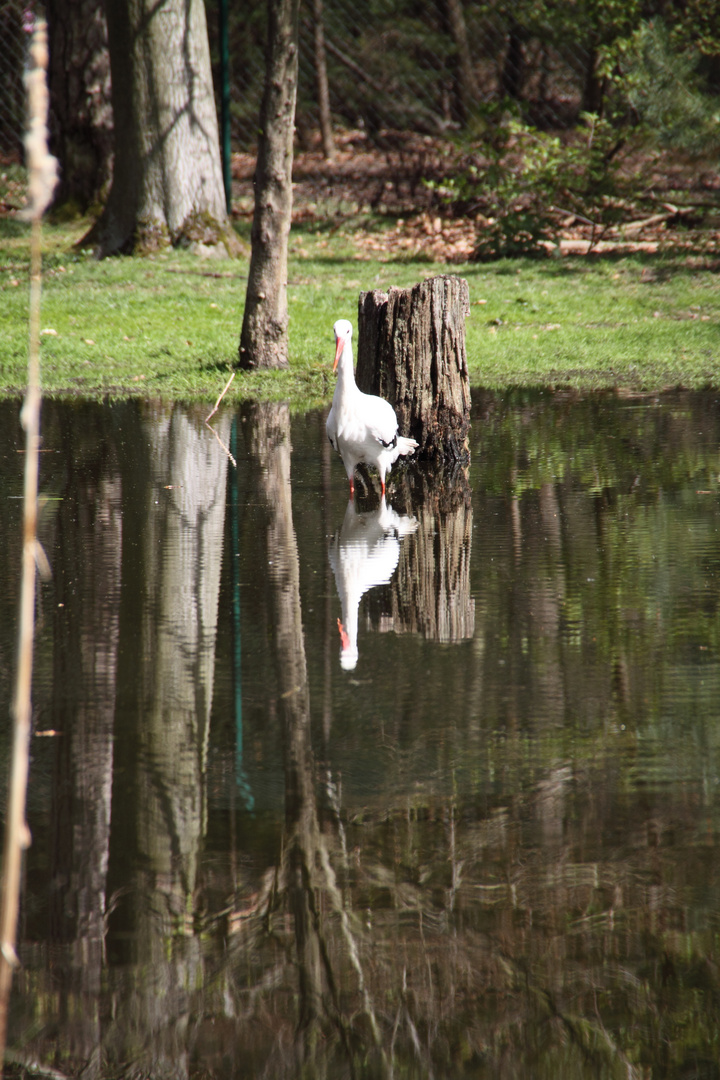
388	197
385	195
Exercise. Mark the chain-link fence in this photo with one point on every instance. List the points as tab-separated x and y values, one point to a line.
417	67
12	91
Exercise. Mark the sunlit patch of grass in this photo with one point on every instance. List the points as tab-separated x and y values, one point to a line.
169	325
633	321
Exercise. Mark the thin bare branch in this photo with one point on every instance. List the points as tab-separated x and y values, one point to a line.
42	177
222	395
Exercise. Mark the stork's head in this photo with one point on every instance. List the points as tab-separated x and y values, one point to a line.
343	332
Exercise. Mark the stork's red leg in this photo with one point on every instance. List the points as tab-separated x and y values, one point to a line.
352	487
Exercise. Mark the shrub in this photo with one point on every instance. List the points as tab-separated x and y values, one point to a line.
525	182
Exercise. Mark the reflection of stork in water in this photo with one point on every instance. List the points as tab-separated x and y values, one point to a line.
364	553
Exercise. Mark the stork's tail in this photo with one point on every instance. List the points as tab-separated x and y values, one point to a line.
406	446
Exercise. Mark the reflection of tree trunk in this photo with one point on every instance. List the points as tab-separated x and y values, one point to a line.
183	554
537	656
516	527
307	869
546	598
170	654
268	430
551	804
87	580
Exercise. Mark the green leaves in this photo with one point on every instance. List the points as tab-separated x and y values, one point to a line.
525	182
657	74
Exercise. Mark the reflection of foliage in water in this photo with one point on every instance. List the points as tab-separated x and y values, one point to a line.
524	845
501	848
633	566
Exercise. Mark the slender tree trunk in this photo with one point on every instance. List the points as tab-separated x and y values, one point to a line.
513	72
593	86
167	182
263	341
81	119
467	88
323	91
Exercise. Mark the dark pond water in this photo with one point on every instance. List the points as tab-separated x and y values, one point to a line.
474	836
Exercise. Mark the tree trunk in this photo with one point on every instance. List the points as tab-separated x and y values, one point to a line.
411	350
167	183
467	88
321	79
81	119
263	341
593	87
513	73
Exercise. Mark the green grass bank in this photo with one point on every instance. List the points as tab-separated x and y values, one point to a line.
168	326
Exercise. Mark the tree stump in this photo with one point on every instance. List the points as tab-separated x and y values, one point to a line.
411	350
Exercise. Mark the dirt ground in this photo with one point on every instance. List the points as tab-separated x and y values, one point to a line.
678	204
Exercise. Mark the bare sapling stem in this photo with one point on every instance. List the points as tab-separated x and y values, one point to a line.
42	177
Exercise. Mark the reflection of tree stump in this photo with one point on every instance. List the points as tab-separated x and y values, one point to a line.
431	591
411	350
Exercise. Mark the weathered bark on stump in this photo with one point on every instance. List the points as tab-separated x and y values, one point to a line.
411	351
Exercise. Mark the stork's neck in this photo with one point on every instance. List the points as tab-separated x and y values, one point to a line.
349	652
346	374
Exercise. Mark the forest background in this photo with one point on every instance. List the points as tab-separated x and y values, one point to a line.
566	150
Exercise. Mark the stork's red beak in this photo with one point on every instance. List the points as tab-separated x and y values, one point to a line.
339	346
344	639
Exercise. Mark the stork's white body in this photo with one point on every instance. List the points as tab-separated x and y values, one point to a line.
361	427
